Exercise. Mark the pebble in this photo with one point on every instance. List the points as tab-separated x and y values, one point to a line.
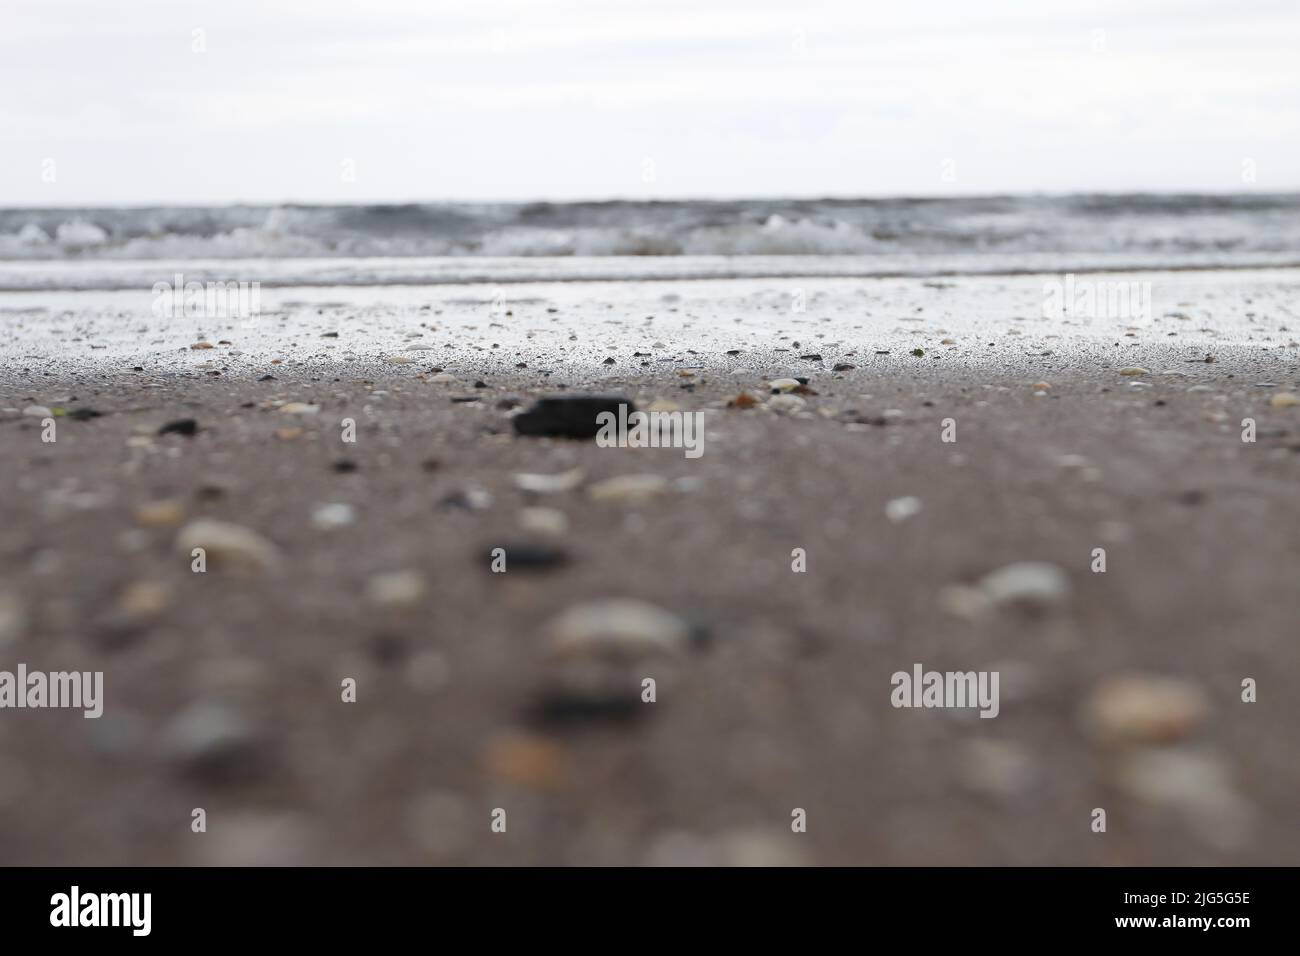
13	619
181	426
399	360
444	378
37	411
1197	784
629	489
996	768
333	515
743	400
1141	708
900	509
622	628
543	520
1284	400
159	514
784	384
549	484
395	588
228	544
201	345
1035	584
526	760
215	742
843	367
261	839
299	408
527	557
760	848
569	416
1134	370
144	599
786	404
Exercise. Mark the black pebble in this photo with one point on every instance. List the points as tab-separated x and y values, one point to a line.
568	416
182	426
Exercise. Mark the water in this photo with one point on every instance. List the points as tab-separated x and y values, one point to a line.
507	242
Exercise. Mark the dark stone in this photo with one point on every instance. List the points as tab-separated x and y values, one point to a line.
329	335
568	416
345	466
528	557
812	357
844	367
84	414
463	399
182	426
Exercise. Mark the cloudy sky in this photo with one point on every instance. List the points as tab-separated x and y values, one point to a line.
182	101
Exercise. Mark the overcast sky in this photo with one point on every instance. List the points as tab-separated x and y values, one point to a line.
402	100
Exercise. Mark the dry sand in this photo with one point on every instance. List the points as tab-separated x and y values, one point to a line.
222	689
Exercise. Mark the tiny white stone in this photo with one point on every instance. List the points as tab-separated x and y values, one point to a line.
900	509
335	515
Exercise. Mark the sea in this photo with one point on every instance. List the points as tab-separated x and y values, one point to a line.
448	243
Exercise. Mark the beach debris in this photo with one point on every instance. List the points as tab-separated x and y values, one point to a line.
1284	400
629	489
395	588
522	759
899	510
1033	584
918	352
228	544
13	618
337	514
785	404
996	768
1131	370
217	743
617	628
520	555
159	514
181	426
550	521
1144	708
467	499
569	416
549	484
143	599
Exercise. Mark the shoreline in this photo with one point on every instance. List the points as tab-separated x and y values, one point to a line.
1118	690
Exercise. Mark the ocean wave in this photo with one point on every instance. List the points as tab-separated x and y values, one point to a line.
1233	228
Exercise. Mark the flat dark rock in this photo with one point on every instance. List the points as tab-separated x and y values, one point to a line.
182	426
568	416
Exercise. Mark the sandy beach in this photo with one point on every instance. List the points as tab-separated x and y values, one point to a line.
370	560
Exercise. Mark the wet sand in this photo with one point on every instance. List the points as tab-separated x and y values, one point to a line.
222	689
